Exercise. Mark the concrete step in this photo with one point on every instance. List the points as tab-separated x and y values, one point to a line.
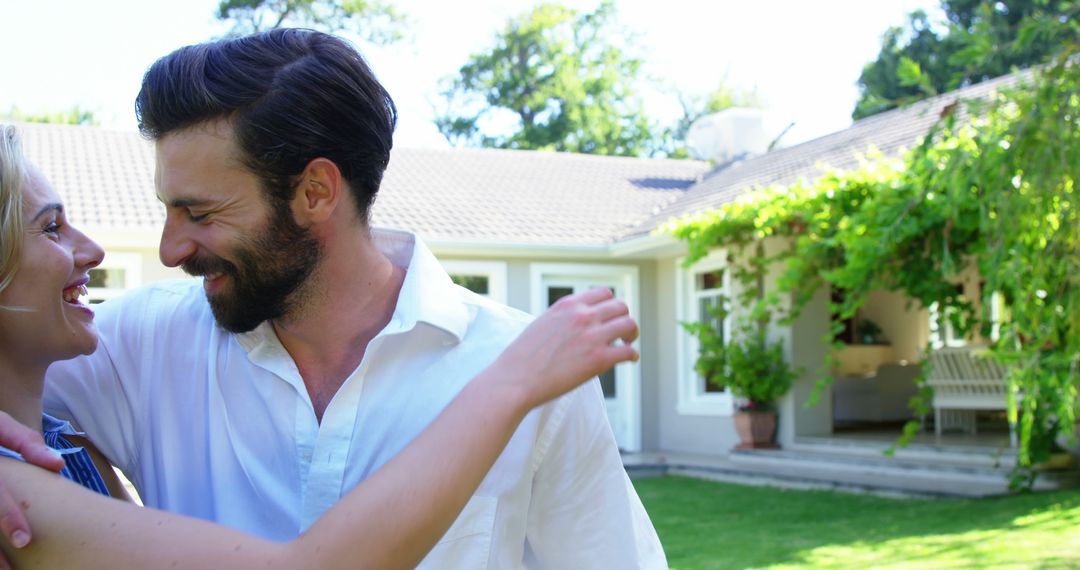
883	475
865	472
869	463
942	476
973	455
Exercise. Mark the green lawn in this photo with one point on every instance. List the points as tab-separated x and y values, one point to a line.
717	525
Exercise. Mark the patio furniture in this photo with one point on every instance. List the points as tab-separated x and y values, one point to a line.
964	380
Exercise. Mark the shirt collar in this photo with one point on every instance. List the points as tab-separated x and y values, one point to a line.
427	294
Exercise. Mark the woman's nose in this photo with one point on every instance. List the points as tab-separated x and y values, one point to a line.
88	253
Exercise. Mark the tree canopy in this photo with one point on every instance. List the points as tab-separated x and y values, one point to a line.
73	116
563	81
980	39
374	20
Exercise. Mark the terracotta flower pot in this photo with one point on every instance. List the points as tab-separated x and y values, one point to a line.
756	430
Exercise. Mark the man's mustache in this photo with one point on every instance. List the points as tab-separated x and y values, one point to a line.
204	265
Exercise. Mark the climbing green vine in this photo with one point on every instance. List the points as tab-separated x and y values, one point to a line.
995	190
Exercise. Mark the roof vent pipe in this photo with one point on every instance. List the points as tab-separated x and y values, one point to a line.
731	134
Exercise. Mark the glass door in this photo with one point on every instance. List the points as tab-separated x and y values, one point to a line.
616	383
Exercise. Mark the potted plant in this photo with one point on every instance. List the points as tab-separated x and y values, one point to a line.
870	333
755	372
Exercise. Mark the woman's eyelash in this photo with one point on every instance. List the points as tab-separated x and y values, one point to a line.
51	228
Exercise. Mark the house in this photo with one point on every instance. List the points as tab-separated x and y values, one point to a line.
528	227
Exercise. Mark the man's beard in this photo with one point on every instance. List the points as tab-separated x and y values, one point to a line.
270	268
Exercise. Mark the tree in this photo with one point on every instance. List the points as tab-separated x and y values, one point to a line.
560	78
905	72
374	20
73	116
980	39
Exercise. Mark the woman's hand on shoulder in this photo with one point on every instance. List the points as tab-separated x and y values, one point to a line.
28	443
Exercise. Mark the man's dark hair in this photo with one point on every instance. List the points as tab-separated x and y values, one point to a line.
290	96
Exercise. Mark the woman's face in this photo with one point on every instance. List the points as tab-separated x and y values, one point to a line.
49	322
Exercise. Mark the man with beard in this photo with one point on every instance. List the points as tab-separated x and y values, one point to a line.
318	346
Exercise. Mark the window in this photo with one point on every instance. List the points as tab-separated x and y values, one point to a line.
479	284
942	331
709	293
997	314
702	289
487	278
119	272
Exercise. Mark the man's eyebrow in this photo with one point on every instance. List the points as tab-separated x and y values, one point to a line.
54	207
182	202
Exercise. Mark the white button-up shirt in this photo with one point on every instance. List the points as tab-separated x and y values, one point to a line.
220	426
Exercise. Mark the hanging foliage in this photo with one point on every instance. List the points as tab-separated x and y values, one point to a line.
996	190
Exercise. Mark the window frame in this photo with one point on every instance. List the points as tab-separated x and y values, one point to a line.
495	271
942	332
693	399
130	263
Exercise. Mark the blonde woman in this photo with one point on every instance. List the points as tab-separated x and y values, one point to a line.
390	520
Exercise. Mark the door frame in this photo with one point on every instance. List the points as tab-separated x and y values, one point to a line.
626	278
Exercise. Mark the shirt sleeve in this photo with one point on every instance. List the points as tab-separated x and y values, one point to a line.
90	390
585	512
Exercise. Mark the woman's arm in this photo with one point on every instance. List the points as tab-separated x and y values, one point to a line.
31	446
393	518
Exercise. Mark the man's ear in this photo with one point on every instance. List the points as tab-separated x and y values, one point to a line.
319	192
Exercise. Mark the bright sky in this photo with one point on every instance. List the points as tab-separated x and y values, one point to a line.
802	58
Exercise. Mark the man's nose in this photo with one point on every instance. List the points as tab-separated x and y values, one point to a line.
176	245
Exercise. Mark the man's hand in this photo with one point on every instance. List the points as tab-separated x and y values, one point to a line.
570	343
28	442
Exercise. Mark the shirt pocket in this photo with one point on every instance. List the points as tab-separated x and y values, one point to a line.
468	542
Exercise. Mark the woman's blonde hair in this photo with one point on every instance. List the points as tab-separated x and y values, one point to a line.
12	179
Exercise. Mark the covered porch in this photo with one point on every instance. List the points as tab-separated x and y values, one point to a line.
964	448
875	375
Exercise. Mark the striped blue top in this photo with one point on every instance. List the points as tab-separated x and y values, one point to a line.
78	466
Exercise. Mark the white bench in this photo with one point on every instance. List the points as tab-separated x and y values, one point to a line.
965	380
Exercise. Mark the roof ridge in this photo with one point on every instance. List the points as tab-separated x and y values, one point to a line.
553	153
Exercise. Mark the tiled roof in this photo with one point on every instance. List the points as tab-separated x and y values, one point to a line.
106	179
526	197
888	132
